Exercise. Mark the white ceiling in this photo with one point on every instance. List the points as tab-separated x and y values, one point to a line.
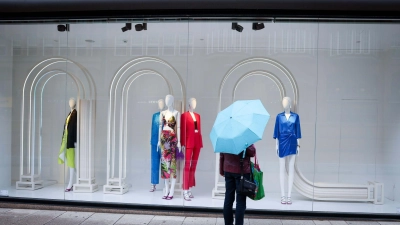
209	35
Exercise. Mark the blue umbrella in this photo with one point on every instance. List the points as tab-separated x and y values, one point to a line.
238	126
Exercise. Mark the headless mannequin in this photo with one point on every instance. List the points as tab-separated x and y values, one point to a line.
169	101
286	103
72	105
161	106
192	106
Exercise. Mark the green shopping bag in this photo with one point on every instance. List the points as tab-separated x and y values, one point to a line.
258	179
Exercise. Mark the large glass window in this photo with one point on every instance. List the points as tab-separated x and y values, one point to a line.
81	111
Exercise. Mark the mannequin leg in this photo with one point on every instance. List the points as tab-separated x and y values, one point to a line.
155	164
292	159
171	192
166	187
282	175
195	158
71	178
186	171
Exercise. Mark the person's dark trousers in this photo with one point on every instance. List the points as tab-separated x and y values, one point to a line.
232	181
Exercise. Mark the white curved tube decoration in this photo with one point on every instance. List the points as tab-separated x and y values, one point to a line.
371	192
30	179
117	117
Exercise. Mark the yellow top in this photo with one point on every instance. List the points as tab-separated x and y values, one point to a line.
66	124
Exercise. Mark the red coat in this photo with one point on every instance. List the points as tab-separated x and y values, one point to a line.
189	138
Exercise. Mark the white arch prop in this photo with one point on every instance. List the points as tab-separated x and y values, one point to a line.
372	192
30	179
117	126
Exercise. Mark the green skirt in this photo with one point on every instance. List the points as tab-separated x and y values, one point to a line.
68	153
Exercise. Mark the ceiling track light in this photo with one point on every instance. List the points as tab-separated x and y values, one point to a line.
237	27
258	26
128	26
62	28
140	27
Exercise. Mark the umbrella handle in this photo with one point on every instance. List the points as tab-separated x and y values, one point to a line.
244	151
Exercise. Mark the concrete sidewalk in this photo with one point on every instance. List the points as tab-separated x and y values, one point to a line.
53	217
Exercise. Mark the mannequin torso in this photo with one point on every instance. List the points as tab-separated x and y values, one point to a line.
169	117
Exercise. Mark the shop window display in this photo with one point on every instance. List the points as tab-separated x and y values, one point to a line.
132	89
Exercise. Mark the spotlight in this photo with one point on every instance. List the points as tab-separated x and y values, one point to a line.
258	26
237	27
128	26
62	28
140	27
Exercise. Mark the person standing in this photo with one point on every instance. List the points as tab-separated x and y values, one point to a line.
229	167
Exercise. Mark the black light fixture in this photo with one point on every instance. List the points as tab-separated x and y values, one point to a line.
237	27
62	28
258	26
140	27
128	26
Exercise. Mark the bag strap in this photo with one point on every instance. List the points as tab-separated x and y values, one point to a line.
251	171
256	164
241	165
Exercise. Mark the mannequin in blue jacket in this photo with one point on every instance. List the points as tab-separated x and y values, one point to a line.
155	155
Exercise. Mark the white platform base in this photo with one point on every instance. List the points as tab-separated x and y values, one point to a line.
116	189
31	183
218	192
86	186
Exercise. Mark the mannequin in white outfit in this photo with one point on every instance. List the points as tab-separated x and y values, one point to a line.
287	104
167	114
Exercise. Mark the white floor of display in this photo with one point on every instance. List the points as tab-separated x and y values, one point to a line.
203	199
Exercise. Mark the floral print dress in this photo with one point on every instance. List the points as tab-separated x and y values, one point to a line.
169	143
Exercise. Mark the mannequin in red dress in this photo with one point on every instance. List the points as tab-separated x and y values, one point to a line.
192	142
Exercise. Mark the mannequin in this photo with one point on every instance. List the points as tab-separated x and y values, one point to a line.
169	133
155	153
192	142
287	133
68	144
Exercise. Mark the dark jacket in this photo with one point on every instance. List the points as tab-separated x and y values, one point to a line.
231	163
72	129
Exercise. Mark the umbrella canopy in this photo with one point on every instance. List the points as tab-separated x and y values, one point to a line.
238	126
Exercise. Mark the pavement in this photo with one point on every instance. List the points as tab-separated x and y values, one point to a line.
56	217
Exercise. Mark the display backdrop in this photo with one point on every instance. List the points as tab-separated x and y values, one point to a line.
347	77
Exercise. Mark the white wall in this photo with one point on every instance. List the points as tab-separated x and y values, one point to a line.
6	102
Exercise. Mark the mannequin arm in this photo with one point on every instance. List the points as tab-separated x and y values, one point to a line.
298	146
159	131
178	135
277	146
182	130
